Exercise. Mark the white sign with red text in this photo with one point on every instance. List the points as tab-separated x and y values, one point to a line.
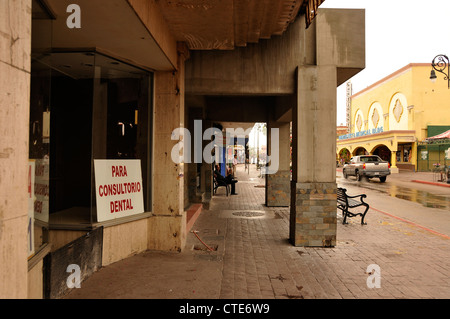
42	189
118	188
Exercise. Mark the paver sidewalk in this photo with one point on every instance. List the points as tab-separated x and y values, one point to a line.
255	260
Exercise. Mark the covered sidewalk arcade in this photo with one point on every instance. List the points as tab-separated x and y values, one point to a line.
160	65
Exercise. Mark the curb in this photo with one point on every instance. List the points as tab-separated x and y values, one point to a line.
412	223
192	214
431	183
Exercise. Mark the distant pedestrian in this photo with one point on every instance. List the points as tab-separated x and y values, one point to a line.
234	165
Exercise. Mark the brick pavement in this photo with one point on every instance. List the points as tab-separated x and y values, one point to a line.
255	260
260	263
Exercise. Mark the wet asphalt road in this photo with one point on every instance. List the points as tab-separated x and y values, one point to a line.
425	205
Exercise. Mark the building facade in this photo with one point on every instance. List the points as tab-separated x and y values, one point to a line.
391	117
94	95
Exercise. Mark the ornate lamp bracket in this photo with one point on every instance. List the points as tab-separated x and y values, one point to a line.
441	64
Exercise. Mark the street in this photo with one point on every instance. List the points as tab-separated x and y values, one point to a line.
422	204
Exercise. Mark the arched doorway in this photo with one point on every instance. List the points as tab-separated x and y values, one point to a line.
344	156
360	151
383	152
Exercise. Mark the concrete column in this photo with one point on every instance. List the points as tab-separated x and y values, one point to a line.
313	188
414	156
394	168
167	228
206	183
278	184
15	66
394	159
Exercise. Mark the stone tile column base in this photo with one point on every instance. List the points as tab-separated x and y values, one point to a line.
278	189
313	214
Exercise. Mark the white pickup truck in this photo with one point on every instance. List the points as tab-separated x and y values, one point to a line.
368	166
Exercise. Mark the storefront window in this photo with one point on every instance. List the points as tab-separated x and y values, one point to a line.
121	127
404	153
39	129
39	156
399	155
407	153
84	106
71	138
97	108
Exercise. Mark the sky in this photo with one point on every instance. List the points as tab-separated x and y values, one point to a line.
398	32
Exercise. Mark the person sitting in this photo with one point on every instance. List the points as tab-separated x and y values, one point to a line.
229	171
229	180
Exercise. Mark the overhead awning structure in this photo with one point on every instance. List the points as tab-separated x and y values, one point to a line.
445	135
226	24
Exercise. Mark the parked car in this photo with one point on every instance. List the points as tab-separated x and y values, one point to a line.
368	166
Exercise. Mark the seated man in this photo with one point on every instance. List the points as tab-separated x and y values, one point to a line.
229	171
228	180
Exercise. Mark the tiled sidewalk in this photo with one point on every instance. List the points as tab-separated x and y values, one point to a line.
259	262
255	260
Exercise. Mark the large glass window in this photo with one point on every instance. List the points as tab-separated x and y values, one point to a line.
39	157
39	129
85	107
404	153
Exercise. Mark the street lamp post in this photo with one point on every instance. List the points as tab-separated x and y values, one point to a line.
441	64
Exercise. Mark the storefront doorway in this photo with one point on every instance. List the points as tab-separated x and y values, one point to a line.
404	157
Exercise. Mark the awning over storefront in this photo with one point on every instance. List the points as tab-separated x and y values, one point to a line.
445	135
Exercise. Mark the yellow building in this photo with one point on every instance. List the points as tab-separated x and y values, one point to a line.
393	116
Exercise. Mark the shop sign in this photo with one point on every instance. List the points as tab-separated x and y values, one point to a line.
41	189
361	133
118	188
424	155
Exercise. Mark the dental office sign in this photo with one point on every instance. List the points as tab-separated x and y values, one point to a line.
118	188
362	133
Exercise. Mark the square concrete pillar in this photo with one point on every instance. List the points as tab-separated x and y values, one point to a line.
278	183
313	188
15	66
167	226
206	183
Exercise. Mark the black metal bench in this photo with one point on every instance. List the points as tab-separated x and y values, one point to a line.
346	202
218	184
